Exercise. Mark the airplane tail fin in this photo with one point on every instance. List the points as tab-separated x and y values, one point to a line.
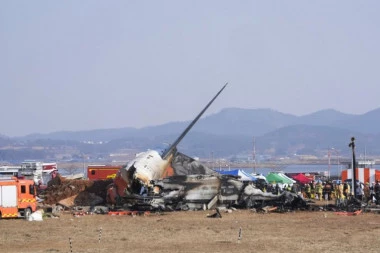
172	147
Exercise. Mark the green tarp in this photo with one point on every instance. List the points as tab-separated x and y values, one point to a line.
274	177
288	180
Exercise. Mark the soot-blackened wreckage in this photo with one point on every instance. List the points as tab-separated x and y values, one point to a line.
174	181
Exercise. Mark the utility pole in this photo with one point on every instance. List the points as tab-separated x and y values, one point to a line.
352	146
84	169
329	156
337	154
212	160
254	155
339	167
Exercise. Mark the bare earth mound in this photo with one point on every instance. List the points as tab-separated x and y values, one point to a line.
192	231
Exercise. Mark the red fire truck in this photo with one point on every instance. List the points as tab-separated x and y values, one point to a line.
17	198
101	172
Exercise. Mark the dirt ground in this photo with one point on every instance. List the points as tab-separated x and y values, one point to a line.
193	231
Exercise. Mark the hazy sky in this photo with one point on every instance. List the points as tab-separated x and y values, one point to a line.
80	65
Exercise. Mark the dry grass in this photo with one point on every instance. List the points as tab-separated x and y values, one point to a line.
193	232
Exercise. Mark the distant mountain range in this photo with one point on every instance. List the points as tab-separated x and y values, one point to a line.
230	132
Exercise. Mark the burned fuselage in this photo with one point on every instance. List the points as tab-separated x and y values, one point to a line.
195	192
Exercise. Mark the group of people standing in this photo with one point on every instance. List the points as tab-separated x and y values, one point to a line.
342	191
320	190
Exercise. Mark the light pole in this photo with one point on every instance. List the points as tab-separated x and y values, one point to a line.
212	160
329	168
254	155
84	170
329	157
339	167
352	146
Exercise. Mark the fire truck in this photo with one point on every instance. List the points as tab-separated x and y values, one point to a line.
40	172
17	197
101	172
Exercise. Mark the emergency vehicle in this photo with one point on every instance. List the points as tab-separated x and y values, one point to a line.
40	172
7	171
17	198
101	172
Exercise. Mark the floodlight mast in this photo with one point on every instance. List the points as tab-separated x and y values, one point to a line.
352	146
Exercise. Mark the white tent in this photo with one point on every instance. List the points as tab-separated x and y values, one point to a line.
243	176
259	176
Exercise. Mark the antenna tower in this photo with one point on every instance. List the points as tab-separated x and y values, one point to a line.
254	155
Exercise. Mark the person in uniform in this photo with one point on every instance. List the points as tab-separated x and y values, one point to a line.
346	191
339	194
308	191
367	195
318	191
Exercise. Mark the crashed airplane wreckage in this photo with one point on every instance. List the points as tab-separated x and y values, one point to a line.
193	186
206	191
168	181
174	181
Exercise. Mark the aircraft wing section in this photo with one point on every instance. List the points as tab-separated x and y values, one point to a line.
173	147
185	165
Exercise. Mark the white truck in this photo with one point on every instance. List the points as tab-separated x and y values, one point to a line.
39	172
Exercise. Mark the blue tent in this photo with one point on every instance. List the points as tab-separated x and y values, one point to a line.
244	176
